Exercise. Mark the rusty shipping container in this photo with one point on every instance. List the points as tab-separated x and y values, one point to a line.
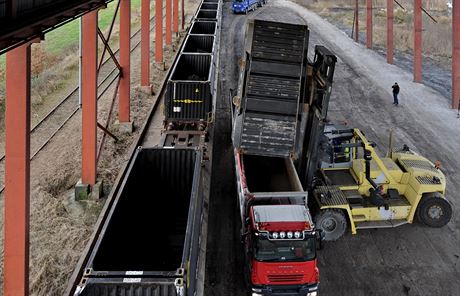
271	84
150	241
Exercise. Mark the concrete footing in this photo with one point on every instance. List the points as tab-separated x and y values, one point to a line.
161	66
125	127
86	191
147	89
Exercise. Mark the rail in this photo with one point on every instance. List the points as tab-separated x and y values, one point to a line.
110	78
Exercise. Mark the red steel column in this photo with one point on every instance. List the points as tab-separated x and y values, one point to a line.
369	24
145	43
17	172
125	62
168	22
89	98
390	31
456	54
176	16
357	20
159	31
417	40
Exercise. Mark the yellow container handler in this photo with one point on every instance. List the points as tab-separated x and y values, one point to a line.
357	187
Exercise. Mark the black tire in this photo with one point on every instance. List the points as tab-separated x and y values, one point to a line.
332	222
434	211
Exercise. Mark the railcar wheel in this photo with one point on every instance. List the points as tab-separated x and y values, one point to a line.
333	223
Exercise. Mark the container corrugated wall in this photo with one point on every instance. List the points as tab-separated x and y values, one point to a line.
267	122
189	92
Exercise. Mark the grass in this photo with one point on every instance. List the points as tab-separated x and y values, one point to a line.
60	49
66	37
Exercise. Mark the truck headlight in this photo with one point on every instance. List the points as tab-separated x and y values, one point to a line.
256	294
314	293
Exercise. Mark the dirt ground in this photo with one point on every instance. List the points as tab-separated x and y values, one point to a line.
60	227
409	260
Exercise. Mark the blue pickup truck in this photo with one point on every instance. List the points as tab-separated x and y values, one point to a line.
243	6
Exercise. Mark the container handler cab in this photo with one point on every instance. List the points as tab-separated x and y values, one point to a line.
357	187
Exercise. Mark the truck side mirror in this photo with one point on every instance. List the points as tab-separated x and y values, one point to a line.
247	222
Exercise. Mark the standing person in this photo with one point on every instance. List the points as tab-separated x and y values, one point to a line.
395	88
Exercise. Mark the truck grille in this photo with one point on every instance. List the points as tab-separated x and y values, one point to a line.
277	278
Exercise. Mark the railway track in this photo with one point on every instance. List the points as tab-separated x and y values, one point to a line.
45	130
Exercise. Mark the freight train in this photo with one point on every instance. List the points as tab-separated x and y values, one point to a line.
148	240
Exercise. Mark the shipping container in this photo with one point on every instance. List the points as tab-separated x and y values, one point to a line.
270	174
199	44
150	240
203	28
271	84
190	89
209	6
206	15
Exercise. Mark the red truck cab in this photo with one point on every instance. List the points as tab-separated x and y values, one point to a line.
282	251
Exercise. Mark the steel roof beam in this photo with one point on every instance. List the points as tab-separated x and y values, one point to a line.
18	26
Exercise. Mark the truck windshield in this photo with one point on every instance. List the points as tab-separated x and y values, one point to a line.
285	250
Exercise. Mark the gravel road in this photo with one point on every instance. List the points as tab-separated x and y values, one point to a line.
410	260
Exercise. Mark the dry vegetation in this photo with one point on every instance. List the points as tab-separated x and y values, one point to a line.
437	37
53	72
60	227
